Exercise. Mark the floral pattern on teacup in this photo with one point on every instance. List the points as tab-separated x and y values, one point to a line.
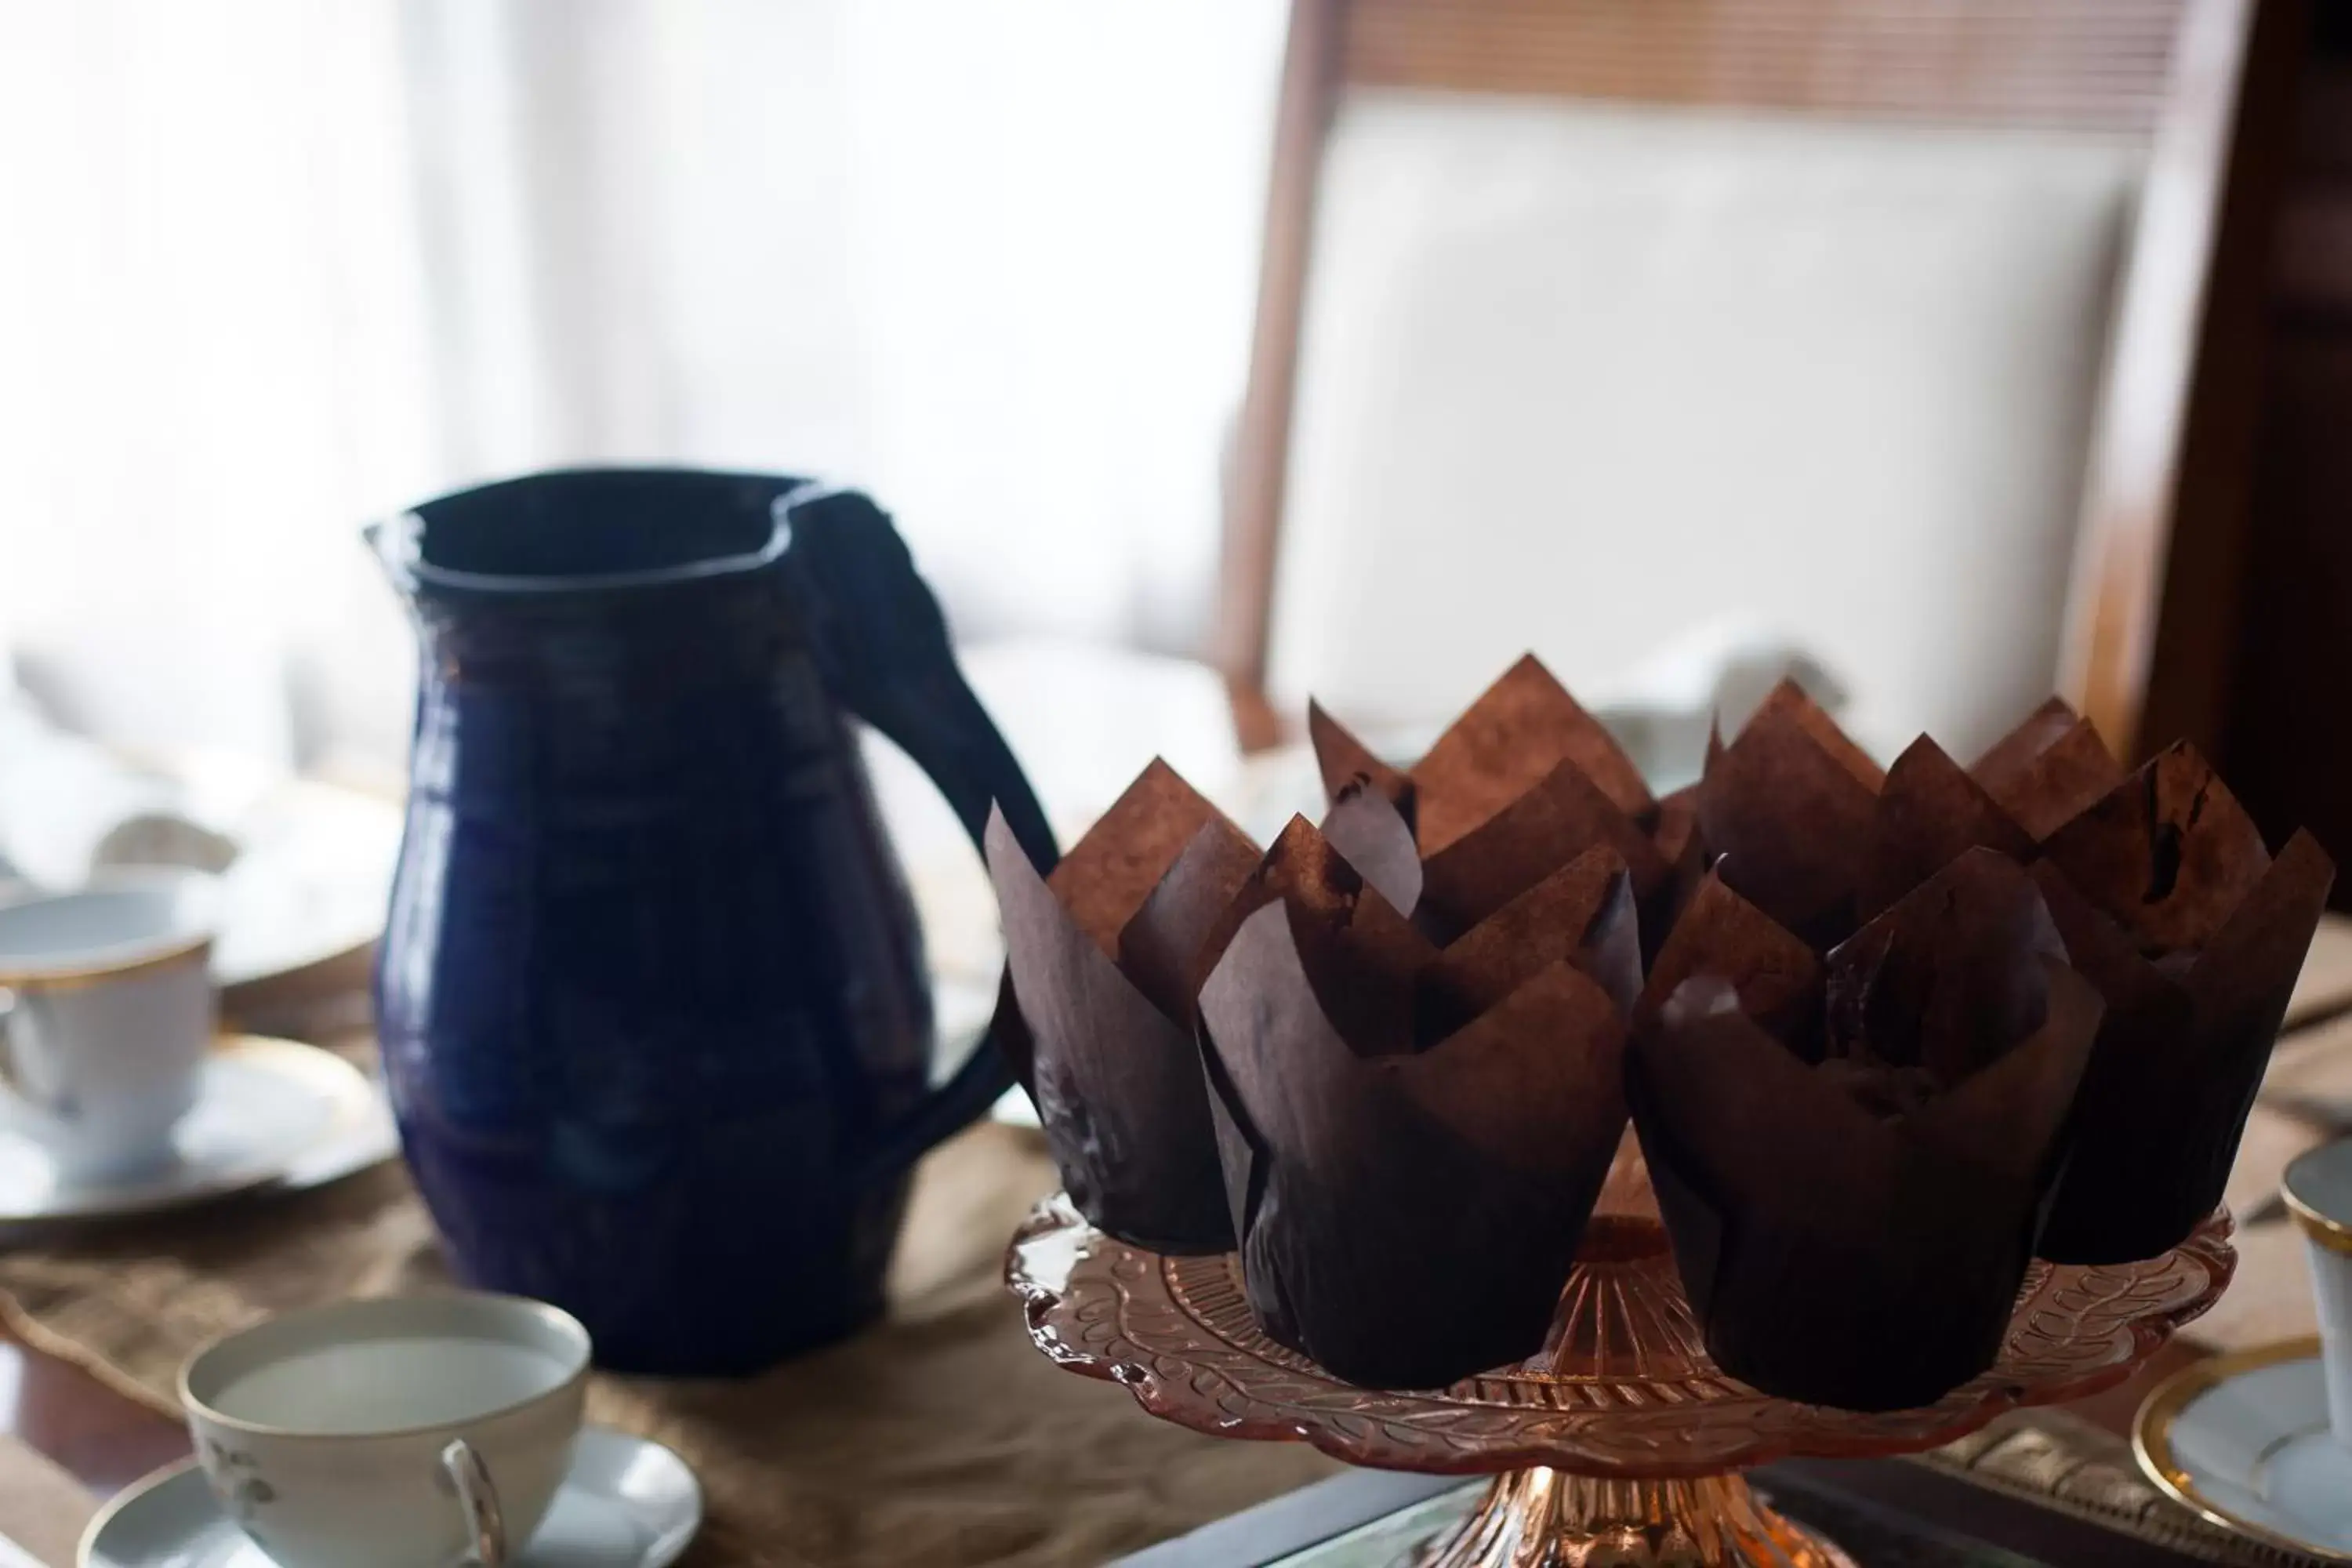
241	1493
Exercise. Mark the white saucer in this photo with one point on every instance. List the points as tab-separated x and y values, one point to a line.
2243	1439
626	1504
266	1112
357	1140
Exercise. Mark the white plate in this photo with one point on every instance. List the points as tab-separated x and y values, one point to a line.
311	882
267	1111
2243	1439
626	1504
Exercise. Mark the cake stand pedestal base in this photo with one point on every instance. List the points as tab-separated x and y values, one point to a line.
1544	1519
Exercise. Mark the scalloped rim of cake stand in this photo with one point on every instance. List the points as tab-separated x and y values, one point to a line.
1106	1309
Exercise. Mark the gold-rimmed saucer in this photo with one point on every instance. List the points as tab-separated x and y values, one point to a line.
268	1111
2243	1440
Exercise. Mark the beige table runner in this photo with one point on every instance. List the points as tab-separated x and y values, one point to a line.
940	1438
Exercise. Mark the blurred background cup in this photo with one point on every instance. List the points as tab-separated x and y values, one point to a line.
2319	1192
106	1011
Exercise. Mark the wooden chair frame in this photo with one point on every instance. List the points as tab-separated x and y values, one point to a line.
2152	597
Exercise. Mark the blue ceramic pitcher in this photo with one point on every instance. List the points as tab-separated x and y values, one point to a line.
652	997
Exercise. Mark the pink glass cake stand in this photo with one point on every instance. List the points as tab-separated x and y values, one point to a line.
1619	1444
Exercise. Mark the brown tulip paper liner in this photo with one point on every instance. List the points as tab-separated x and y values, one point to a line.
1370	833
1515	734
1407	1217
1929	811
2047	770
1159	948
1854	1234
1788	808
1777	977
1367	935
1344	760
1943	983
1675	834
2170	905
1561	818
1521	784
2167	853
1407	992
1511	739
1099	957
1832	1254
1583	915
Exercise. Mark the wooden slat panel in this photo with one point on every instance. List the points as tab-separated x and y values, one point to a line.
1310	82
2152	605
2088	64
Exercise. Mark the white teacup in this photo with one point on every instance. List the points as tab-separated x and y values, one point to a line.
106	1010
407	1433
2319	1192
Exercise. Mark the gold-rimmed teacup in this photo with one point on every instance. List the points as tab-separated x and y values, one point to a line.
2317	1189
106	1011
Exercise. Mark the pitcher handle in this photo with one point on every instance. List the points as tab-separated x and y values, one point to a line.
883	644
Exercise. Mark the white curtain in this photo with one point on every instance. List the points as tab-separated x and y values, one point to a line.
269	267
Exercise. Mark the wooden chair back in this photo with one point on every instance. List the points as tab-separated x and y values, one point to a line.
2198	83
